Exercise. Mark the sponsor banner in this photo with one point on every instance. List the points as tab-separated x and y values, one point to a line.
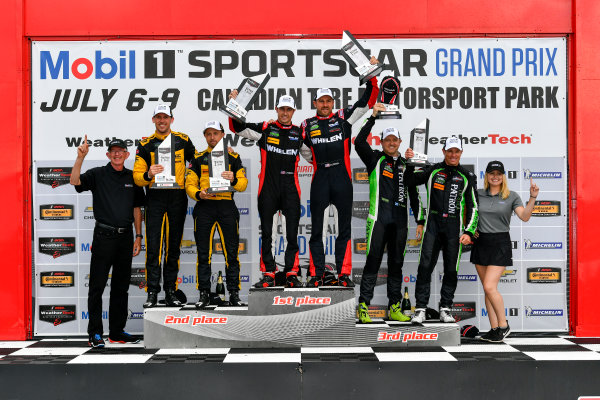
514	103
464	310
57	279
56	212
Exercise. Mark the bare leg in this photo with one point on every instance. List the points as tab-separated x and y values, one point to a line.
481	271
490	286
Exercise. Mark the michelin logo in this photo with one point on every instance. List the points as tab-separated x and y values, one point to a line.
530	245
527	174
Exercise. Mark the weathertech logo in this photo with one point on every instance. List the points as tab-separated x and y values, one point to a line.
54	177
406	337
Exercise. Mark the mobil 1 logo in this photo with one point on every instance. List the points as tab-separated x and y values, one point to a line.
159	64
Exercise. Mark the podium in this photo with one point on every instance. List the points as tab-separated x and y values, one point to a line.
287	317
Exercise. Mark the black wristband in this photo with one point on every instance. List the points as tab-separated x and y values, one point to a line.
139	236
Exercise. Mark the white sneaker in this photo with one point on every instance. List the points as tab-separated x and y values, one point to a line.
419	316
445	315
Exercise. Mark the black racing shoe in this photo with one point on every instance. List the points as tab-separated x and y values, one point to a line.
265	282
123	338
345	281
501	333
314	282
151	300
292	281
329	279
204	299
234	299
96	340
171	299
488	335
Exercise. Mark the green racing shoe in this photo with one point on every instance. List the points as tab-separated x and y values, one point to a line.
396	313
363	313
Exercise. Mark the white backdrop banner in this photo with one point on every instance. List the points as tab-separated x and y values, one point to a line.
506	98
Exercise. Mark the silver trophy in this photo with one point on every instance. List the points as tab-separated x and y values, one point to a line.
248	92
218	163
356	56
165	156
419	141
389	97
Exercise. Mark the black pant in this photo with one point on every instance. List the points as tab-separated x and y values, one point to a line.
165	216
331	186
109	249
269	202
221	215
440	234
378	235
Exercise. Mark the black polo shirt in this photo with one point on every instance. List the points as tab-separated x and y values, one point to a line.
114	194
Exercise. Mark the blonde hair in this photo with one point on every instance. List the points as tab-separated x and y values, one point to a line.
504	191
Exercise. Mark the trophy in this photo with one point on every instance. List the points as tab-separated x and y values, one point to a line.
356	56
419	140
217	164
388	96
165	156
248	92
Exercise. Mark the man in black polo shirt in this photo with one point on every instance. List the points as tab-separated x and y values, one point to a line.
116	201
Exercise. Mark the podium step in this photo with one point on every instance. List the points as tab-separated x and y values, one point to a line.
281	317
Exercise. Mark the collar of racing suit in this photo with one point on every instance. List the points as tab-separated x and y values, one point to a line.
327	117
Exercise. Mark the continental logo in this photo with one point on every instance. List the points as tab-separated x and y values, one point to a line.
413	243
56	212
242	249
376	311
57	279
273	140
544	275
57	314
187	244
360	209
56	246
54	176
360	246
360	175
546	208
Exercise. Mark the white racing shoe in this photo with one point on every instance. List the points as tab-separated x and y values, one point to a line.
445	315
419	316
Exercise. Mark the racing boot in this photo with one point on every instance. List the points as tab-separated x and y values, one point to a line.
396	313
329	279
151	300
363	313
419	316
171	299
314	281
292	281
204	299
234	299
445	315
345	281
268	280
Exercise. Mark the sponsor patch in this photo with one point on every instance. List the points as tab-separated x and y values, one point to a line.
273	140
315	133
388	174
438	186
